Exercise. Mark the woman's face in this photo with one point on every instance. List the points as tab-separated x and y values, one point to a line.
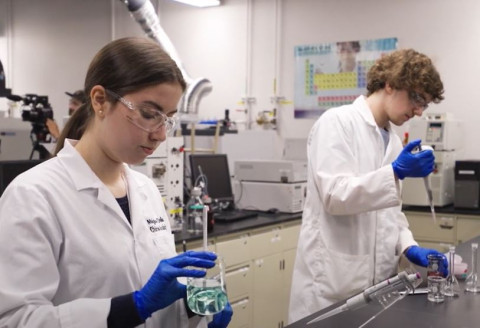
124	141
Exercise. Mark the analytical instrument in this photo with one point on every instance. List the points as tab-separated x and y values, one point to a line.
386	293
284	171
444	134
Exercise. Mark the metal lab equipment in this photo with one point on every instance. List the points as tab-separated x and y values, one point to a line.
165	168
443	134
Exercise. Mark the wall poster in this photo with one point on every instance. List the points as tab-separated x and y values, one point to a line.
333	74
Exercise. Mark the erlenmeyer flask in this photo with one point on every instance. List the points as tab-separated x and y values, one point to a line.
451	286
472	284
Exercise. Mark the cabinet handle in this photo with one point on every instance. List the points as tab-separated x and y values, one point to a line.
445	226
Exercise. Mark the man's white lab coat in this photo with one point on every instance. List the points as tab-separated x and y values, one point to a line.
353	230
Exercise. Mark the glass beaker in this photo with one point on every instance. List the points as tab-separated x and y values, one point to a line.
451	285
436	265
472	284
208	295
436	286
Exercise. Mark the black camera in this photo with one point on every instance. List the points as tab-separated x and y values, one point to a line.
39	111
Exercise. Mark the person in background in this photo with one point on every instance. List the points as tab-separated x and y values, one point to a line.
85	240
353	230
76	100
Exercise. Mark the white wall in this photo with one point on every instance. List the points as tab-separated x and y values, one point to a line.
244	45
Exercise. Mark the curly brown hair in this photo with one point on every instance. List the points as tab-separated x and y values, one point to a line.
407	70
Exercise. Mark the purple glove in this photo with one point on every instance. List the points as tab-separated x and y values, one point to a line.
415	165
162	289
222	319
418	256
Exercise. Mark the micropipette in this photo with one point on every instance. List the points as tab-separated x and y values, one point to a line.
428	187
399	282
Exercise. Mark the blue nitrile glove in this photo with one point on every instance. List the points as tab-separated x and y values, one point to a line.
162	289
416	165
222	319
418	256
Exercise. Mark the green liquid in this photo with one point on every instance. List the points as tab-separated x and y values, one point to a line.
206	300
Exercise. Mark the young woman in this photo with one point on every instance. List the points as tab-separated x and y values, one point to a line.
84	240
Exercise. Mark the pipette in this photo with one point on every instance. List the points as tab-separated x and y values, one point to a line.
428	187
399	282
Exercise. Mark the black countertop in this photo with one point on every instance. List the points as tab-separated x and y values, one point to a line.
222	228
450	209
414	311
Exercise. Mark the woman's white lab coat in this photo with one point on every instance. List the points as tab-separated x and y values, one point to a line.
353	230
66	247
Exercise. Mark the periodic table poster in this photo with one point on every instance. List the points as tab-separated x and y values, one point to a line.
333	74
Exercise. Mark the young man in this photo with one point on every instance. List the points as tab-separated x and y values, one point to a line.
353	231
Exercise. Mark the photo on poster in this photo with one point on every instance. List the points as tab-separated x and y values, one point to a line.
333	74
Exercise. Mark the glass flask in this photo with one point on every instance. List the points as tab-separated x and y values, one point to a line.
472	284
452	287
208	295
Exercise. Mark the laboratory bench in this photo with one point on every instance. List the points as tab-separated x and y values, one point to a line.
453	226
259	254
413	311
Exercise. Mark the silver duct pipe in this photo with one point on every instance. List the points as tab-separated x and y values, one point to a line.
144	13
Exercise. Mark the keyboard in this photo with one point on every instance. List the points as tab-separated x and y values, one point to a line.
233	215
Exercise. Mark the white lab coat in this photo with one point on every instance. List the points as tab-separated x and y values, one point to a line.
353	230
66	247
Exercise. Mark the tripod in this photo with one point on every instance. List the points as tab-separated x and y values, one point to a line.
39	133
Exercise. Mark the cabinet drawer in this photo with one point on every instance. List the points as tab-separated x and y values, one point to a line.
290	237
467	228
242	310
423	227
266	243
234	251
239	281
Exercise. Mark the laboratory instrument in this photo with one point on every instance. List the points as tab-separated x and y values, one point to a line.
444	134
472	284
195	212
264	196
208	295
165	168
467	184
386	293
452	287
284	171
270	184
428	188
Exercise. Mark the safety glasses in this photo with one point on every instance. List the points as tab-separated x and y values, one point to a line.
148	118
417	100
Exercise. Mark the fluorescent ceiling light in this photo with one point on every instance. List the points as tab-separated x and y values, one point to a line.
200	3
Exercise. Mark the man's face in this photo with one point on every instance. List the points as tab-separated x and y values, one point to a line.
73	105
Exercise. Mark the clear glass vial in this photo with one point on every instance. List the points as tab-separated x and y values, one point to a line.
452	287
472	284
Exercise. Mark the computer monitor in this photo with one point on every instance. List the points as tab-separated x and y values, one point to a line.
215	168
10	169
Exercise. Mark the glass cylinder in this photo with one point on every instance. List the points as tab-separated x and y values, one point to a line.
451	285
472	284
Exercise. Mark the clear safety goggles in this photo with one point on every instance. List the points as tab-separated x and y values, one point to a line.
147	118
417	100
